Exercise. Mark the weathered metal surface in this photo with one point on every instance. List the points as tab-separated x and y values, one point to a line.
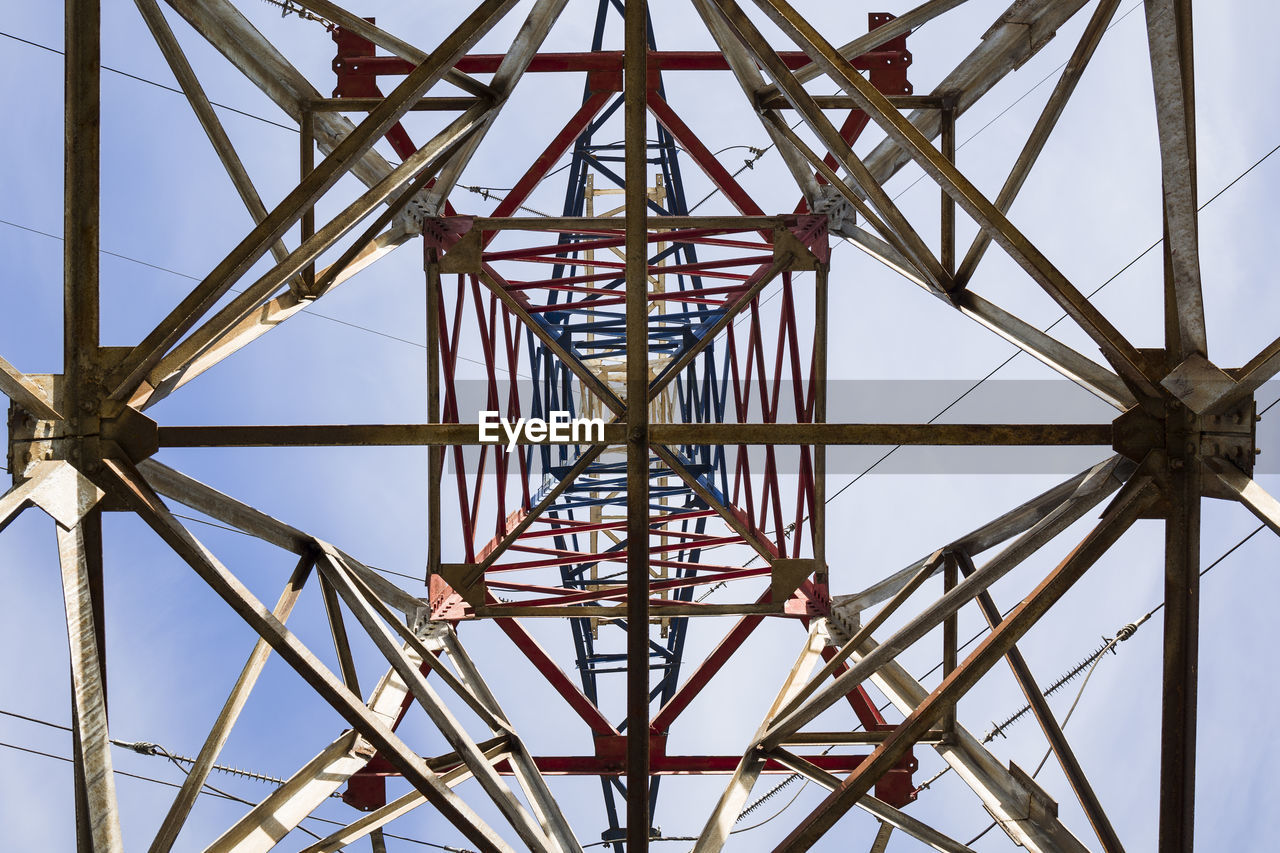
716	832
635	83
1048	723
1043	129
97	813
1188	421
364	435
1181	641
285	807
1099	486
1118	350
1119	516
152	510
180	809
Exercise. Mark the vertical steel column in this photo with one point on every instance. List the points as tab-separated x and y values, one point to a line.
81	130
80	201
1181	644
820	331
307	164
947	250
96	816
947	257
1180	345
435	455
1186	483
950	643
635	105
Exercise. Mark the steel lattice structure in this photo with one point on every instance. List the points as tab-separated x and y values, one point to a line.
628	294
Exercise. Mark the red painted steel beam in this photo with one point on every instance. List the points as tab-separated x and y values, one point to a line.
660	765
659	60
707	669
697	236
548	158
569	558
619	592
585	708
719	175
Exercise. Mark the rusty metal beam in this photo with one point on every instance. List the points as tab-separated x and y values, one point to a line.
267	316
254	522
522	761
1048	723
913	245
80	210
1181	651
398	188
375	729
748	75
1043	129
1009	798
392	44
1170	41
636	146
180	809
1020	32
230	33
864	632
719	825
338	631
1083	371
190	83
54	486
188	312
1098	486
378	818
996	531
267	823
674	434
511	68
901	25
19	388
890	818
898	257
1256	499
97	815
1123	356
407	663
1136	496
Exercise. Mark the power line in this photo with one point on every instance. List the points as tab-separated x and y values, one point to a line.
308	311
1090	295
1097	655
1097	659
154	83
1018	100
207	791
1018	352
250	535
759	152
176	272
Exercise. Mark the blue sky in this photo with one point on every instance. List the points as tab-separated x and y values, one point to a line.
1092	206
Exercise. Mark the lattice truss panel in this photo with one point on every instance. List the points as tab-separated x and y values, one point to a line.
530	689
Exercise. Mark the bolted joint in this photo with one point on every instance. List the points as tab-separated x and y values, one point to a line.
1180	435
135	434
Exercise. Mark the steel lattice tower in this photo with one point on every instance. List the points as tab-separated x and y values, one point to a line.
706	499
